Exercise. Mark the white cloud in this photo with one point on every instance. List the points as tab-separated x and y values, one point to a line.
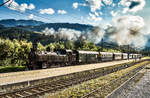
75	5
125	3
125	10
94	17
22	7
138	7
132	5
94	4
100	13
113	5
61	12
31	16
108	2
96	13
113	13
47	11
31	6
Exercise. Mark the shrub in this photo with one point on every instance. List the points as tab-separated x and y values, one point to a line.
5	69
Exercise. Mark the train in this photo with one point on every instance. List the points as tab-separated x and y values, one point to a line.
65	57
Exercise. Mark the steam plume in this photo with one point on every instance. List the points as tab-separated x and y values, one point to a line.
128	30
93	35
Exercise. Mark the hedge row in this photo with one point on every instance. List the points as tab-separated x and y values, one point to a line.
5	69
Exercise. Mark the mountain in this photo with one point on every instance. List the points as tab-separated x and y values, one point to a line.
56	26
30	29
34	25
21	34
14	23
1	27
16	33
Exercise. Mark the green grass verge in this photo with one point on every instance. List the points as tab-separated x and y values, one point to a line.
5	69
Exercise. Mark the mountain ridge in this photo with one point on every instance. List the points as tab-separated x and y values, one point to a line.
34	25
14	22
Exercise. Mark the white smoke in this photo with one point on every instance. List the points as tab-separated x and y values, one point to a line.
125	30
95	35
63	33
128	30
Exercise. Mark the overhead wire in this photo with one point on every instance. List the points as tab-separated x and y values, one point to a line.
6	2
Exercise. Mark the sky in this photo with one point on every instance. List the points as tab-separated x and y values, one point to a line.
95	12
125	21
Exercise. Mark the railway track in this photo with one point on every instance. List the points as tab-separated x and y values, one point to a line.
96	93
54	86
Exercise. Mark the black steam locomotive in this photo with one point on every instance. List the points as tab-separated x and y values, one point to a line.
64	57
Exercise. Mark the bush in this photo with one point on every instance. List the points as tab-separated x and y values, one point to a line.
14	52
5	69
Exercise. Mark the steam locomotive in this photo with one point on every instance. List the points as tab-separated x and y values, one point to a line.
64	57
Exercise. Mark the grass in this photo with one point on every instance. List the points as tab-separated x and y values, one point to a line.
146	57
5	69
147	67
86	87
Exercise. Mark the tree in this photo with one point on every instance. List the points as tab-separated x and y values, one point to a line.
69	45
40	47
21	52
59	45
93	47
6	51
52	46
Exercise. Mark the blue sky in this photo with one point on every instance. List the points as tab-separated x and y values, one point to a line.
86	11
73	15
123	15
